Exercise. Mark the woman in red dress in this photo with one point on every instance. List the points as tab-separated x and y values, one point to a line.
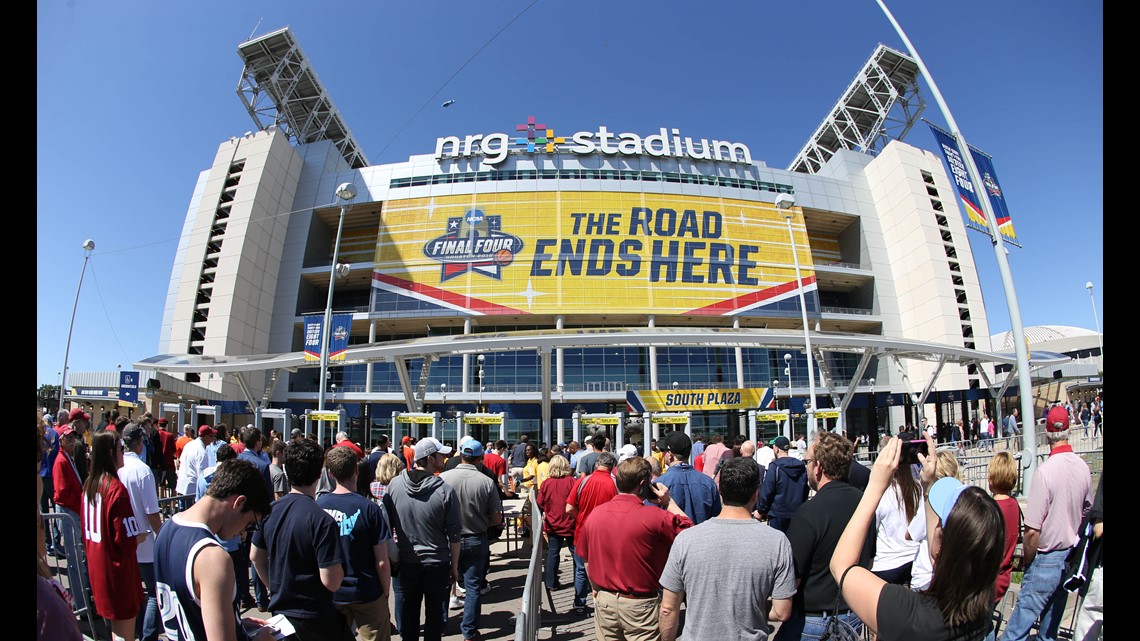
110	536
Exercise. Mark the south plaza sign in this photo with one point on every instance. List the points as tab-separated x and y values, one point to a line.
494	148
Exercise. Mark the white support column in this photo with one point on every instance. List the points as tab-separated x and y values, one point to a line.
368	369
652	358
739	369
466	382
576	428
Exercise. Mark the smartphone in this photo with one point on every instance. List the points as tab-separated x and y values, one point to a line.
647	492
910	451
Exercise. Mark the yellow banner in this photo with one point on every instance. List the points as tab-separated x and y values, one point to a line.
695	400
669	420
827	413
482	420
593	252
324	416
773	416
419	420
599	420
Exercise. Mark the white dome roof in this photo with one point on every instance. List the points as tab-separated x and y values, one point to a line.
1003	342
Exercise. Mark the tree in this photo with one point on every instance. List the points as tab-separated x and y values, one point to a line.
47	397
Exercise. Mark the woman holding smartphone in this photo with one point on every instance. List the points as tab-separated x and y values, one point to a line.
965	528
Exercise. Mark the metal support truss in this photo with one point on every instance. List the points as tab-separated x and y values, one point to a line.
279	88
881	104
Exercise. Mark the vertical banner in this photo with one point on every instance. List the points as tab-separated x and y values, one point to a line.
313	338
969	196
129	386
338	342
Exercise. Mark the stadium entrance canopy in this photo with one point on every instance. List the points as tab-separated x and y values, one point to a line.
431	348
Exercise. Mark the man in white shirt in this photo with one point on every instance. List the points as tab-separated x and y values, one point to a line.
194	460
138	478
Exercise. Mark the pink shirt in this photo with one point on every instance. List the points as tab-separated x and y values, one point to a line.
713	454
1061	494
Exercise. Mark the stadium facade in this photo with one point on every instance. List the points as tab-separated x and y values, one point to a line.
531	228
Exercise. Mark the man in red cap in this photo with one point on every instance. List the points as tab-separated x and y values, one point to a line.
194	460
1059	496
68	496
165	478
408	451
80	421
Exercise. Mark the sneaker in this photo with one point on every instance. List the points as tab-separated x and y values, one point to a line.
486	588
456	603
460	591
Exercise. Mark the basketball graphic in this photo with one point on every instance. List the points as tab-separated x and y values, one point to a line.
504	257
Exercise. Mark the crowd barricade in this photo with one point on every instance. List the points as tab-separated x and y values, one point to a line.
54	521
528	620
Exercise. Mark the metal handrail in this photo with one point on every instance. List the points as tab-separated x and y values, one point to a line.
75	554
529	618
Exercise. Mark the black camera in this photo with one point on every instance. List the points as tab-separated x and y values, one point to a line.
646	492
910	451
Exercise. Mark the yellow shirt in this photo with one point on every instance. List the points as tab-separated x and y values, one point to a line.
543	472
530	473
660	458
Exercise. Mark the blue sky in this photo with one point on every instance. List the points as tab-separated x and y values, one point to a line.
133	99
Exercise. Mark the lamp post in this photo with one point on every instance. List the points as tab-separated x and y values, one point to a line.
481	358
1099	336
874	412
1024	384
675	385
88	246
788	373
776	392
345	192
784	203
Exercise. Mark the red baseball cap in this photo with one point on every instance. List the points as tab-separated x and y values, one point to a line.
206	430
77	414
1057	420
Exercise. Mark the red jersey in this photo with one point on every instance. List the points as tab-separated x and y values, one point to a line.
109	539
409	456
352	446
166	449
68	490
495	463
599	487
552	499
645	534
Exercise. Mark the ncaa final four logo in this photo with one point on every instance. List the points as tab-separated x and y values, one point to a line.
473	242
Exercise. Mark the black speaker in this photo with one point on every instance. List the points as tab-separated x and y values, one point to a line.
1056	374
153	383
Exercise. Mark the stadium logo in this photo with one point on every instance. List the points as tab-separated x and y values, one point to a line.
473	242
340	333
991	185
494	148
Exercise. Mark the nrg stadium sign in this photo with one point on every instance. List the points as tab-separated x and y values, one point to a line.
537	137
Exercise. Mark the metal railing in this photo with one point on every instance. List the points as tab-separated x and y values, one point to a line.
529	618
54	521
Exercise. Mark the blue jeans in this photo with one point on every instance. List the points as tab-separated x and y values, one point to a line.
473	554
553	552
805	627
581	581
426	584
1041	596
398	602
149	625
76	560
778	522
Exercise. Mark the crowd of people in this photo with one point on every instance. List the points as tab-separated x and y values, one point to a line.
695	539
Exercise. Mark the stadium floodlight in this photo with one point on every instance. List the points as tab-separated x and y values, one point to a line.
784	203
345	192
88	247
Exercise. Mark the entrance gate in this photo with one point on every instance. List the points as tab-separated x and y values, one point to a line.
651	423
592	422
479	426
414	422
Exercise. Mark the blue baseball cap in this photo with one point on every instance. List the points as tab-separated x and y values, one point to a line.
471	448
944	494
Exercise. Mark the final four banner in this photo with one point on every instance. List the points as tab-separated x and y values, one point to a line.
970	197
338	342
519	253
